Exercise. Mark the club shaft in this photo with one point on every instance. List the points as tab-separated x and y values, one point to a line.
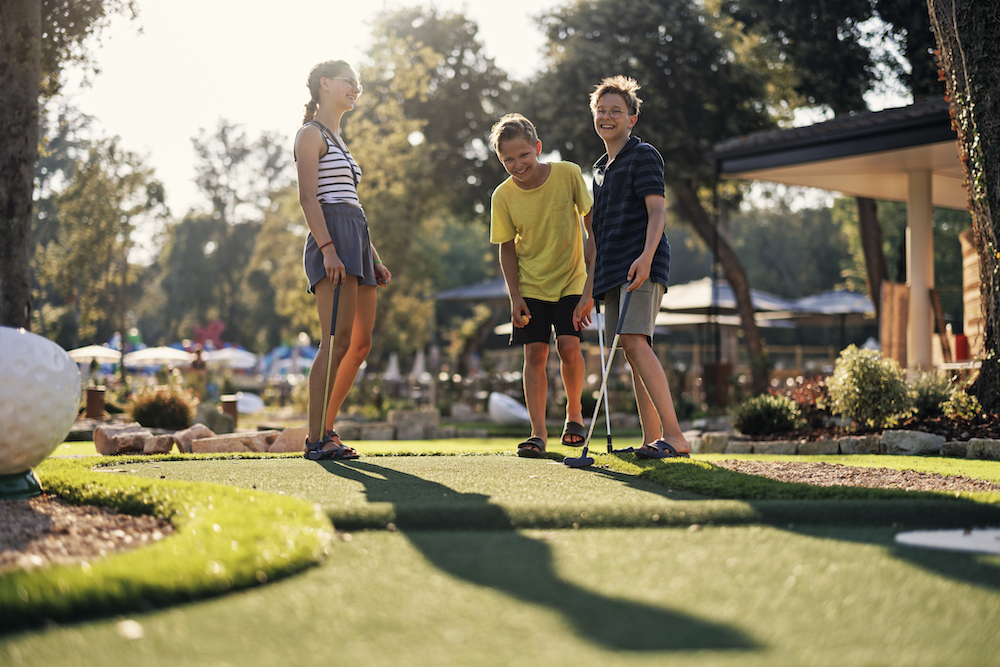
329	358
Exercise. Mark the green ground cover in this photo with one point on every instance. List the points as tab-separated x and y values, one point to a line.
474	559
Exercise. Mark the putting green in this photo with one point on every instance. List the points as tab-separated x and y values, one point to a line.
725	596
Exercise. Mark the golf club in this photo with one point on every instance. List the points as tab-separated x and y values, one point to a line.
583	460
329	361
604	371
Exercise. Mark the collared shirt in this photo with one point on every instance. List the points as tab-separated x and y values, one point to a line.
620	217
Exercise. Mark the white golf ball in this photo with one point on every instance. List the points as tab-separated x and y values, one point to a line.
40	388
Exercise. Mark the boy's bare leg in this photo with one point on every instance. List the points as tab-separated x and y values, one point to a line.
654	380
652	428
571	366
536	386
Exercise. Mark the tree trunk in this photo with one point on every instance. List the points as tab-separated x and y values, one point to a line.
734	273
20	69
968	39
871	246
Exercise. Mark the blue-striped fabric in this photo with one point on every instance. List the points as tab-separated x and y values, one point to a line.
620	217
336	185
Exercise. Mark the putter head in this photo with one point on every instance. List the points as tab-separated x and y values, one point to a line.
582	461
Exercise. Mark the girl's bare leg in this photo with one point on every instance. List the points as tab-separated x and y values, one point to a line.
341	343
359	344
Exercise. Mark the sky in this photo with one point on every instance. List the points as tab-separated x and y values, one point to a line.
196	61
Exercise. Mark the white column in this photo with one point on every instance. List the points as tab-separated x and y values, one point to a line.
919	270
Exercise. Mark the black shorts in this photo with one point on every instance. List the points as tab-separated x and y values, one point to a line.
544	316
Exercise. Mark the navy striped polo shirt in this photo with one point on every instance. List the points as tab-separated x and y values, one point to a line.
620	217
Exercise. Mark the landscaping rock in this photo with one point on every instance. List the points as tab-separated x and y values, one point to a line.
377	431
955	448
348	430
739	448
714	442
441	433
622	420
290	440
865	444
115	439
413	424
697	443
775	447
818	447
981	448
259	441
158	444
911	443
183	439
215	419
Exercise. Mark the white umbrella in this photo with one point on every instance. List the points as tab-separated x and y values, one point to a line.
392	373
233	357
157	356
87	354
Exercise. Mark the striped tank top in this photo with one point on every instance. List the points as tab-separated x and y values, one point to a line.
337	183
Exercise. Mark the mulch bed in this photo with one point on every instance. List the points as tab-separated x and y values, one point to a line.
952	428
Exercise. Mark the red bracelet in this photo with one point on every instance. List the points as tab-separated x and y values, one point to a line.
326	244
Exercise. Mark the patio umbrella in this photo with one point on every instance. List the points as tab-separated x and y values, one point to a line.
836	307
234	357
699	297
100	353
157	356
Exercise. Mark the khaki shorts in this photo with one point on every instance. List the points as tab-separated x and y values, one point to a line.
642	309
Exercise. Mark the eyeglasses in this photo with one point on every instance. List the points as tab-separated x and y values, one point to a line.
610	113
351	81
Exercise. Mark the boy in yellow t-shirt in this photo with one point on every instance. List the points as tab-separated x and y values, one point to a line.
535	219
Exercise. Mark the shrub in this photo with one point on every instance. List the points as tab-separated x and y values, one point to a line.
765	414
812	398
930	391
163	407
961	404
869	389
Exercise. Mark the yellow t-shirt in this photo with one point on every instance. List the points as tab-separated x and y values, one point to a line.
544	224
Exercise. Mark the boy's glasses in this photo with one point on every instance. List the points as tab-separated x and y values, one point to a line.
610	113
354	83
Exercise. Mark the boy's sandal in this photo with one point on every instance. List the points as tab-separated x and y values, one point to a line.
532	448
574	428
660	449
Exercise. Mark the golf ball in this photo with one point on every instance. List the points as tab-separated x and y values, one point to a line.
40	390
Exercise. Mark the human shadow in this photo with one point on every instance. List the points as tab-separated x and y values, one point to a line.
866	521
523	568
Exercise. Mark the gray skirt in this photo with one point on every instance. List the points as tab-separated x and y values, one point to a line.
349	232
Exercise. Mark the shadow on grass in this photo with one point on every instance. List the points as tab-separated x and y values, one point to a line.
854	514
521	567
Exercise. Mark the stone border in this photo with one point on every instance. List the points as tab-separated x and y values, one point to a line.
904	443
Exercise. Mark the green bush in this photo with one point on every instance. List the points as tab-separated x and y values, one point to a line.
961	404
765	414
163	407
812	398
869	389
930	392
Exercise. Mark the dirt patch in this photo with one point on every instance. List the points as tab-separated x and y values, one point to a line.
831	474
45	530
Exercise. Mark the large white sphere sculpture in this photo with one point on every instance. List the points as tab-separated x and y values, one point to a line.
40	389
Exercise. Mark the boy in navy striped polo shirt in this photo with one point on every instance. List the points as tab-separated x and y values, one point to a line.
629	251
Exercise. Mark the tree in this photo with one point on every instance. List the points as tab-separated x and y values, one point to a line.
84	261
37	38
837	59
698	88
432	66
968	38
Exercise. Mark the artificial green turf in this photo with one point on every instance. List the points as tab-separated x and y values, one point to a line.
723	596
225	538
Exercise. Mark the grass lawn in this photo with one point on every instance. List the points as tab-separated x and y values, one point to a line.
493	560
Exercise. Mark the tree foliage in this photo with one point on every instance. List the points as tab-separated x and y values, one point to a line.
702	82
37	38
